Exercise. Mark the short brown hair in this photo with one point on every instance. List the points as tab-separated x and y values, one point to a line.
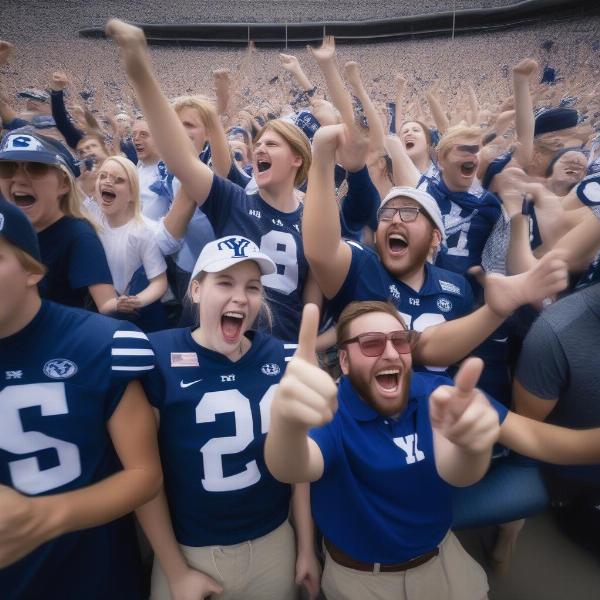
297	141
358	309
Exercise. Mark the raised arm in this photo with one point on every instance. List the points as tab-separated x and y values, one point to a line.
174	146
441	120
405	172
449	342
306	398
291	65
523	73
328	255
325	57
64	123
376	131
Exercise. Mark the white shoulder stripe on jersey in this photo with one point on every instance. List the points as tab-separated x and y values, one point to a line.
288	358
288	346
130	334
145	368
132	352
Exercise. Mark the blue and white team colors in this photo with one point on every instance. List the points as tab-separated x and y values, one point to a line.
444	295
468	222
61	379
214	417
233	212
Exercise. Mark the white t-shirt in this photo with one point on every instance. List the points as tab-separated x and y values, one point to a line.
153	206
128	248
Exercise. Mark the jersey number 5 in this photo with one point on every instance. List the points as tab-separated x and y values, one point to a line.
25	473
231	401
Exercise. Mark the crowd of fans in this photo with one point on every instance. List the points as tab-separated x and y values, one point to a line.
458	180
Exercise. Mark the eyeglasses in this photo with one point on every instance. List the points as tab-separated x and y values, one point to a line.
373	343
35	170
407	213
469	149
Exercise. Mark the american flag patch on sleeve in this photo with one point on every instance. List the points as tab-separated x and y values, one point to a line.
184	359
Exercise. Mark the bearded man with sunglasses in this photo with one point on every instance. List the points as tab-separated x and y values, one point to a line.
383	451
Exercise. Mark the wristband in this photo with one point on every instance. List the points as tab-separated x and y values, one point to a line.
527	205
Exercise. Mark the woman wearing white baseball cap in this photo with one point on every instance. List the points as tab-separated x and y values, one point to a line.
221	526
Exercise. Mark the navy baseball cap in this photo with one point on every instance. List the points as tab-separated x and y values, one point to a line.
32	94
16	228
555	119
27	145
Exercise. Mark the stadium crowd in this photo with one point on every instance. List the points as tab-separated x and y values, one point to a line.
190	257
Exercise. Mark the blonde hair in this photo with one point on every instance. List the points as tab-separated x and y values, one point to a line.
71	203
203	106
455	133
297	141
134	182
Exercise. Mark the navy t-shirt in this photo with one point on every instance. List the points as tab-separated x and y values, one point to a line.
75	258
214	418
61	379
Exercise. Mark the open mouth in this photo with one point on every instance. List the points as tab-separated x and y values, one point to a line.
263	165
409	144
231	325
397	243
107	197
139	148
388	380
468	168
23	201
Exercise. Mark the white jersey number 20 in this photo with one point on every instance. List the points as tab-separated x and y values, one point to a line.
231	401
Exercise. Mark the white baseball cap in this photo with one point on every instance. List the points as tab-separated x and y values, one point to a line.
425	200
230	250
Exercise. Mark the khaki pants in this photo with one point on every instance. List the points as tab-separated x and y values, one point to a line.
260	569
452	575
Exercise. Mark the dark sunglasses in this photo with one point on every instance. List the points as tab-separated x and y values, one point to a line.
407	213
35	170
373	343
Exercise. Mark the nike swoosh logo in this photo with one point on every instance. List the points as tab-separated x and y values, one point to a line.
184	385
500	340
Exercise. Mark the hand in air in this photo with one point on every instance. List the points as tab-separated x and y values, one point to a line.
307	396
462	413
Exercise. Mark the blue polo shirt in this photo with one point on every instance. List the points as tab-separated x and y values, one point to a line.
380	498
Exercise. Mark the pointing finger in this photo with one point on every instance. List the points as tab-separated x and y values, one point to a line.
309	327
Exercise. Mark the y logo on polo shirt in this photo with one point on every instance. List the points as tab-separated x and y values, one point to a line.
408	444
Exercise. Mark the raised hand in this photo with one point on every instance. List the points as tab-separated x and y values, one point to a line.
326	52
130	39
462	414
351	146
222	79
59	81
549	276
307	396
352	73
6	49
289	63
526	69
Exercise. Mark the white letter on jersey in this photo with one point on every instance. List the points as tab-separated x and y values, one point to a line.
409	445
281	247
26	474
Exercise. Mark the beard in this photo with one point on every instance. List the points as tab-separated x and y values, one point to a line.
385	408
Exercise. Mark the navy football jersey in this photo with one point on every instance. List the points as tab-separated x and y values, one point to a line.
233	212
214	417
444	295
468	222
61	379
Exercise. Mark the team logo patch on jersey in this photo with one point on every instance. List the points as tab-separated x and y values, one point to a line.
60	368
184	359
444	304
271	369
395	292
449	287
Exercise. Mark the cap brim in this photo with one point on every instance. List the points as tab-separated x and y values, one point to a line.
31	156
265	264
